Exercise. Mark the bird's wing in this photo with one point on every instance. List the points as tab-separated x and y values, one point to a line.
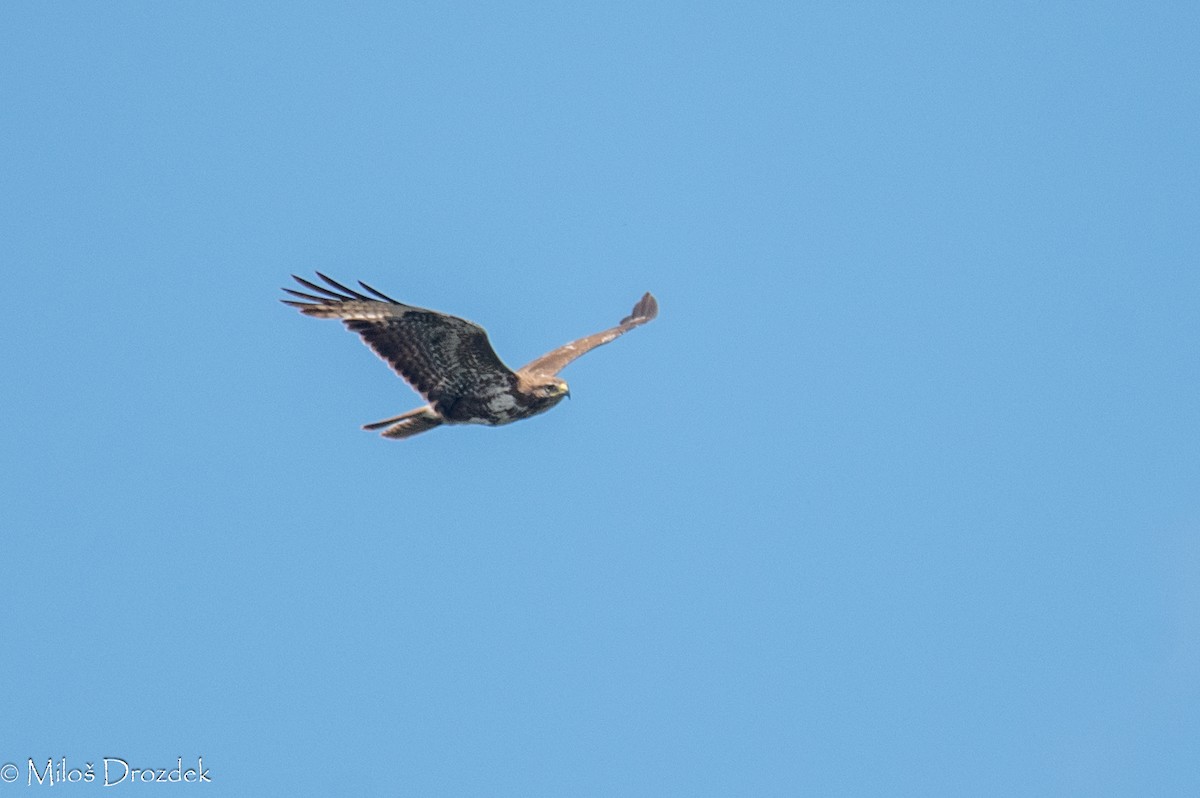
443	357
555	361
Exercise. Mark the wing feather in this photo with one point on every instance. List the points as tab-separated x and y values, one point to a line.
379	294
555	361
445	358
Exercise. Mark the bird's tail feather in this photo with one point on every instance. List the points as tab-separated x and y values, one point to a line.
410	427
407	424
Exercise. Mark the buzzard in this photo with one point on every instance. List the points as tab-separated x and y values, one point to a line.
449	360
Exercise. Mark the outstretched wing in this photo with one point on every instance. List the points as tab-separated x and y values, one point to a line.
553	362
443	357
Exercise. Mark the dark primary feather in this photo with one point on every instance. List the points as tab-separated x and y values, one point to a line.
645	310
347	294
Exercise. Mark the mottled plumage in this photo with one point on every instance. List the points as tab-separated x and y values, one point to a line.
449	360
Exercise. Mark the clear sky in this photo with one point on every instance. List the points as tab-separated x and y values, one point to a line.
900	495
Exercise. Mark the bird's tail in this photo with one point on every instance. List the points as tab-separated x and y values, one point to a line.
408	424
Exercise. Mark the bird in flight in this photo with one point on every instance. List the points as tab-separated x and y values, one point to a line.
449	360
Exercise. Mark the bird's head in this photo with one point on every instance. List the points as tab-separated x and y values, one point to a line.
553	389
541	392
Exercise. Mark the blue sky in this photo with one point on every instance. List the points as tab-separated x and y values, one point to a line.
899	495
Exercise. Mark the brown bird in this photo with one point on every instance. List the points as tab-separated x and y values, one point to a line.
449	360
